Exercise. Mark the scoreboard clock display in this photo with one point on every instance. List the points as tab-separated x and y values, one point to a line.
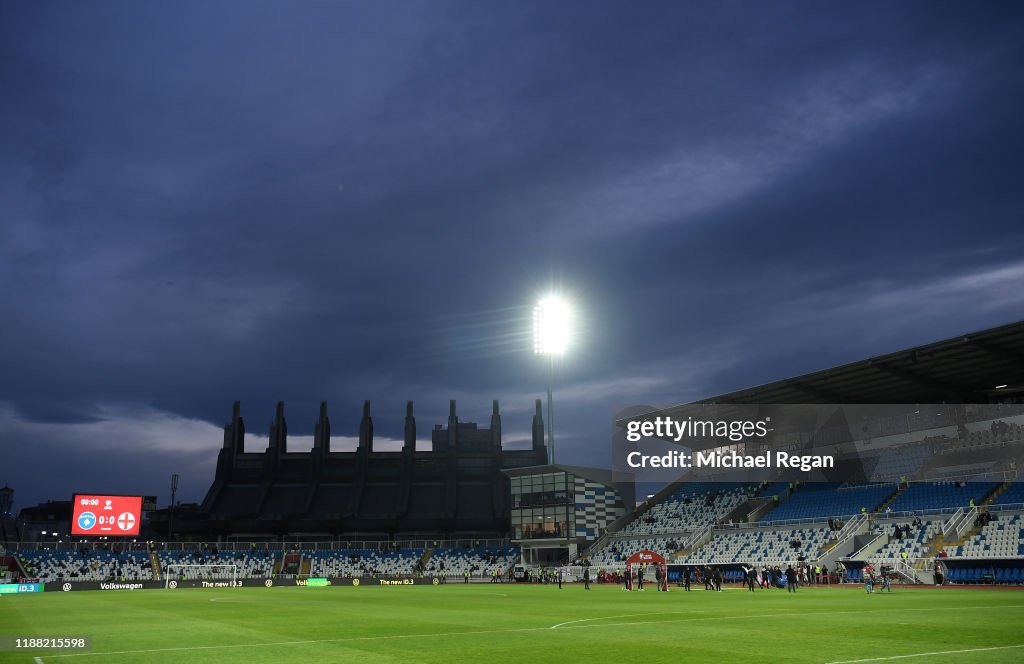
110	516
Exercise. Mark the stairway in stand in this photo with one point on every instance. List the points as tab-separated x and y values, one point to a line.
154	563
940	541
890	499
996	493
426	558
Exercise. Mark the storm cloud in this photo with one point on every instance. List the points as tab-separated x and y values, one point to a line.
261	201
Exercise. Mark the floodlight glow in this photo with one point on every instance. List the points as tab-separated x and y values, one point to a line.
552	326
999	387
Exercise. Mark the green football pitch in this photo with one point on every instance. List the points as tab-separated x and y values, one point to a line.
515	623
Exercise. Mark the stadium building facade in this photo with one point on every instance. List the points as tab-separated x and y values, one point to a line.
557	509
455	489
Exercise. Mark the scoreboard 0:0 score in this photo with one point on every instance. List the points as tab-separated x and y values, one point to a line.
106	515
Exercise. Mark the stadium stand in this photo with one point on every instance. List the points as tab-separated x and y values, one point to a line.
1013	495
780	489
689	508
896	462
763	546
1000	538
475	560
921	496
619	550
824	500
666	525
364	562
914	545
50	565
249	564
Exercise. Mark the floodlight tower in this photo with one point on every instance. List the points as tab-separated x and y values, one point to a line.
552	326
170	519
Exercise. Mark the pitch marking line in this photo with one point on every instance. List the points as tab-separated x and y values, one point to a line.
926	654
624	615
354	639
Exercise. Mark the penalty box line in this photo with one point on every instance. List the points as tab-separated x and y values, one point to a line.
560	626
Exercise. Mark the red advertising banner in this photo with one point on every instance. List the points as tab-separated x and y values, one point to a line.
110	516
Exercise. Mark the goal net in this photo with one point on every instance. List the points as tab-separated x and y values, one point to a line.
183	571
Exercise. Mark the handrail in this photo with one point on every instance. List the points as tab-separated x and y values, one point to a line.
967	522
853	525
950	524
697	536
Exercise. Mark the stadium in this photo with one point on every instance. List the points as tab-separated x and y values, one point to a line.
468	552
477	331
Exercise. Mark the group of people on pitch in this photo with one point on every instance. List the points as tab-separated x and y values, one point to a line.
711	576
635	575
872	577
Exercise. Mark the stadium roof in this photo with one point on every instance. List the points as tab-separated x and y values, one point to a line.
965	369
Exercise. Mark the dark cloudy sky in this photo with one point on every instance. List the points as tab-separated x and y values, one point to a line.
208	202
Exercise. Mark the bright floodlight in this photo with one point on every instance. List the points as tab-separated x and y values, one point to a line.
552	326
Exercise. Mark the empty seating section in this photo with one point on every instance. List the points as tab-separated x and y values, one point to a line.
86	566
689	508
914	545
478	561
762	546
363	562
986	574
897	462
1001	538
824	500
941	495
